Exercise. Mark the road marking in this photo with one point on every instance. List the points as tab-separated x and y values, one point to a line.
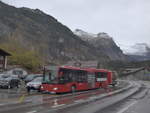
77	101
32	112
58	105
21	99
127	107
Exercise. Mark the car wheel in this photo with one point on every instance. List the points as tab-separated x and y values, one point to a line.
28	89
9	86
39	90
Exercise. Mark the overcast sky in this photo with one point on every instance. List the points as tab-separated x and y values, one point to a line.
127	21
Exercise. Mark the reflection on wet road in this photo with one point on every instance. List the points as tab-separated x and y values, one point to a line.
43	102
73	98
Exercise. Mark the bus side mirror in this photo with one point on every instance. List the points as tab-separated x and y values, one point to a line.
50	76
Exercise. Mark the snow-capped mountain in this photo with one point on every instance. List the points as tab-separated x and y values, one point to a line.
139	52
88	36
103	43
141	49
85	35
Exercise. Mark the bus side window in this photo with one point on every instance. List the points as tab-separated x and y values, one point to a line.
84	77
101	76
104	75
73	76
81	76
65	78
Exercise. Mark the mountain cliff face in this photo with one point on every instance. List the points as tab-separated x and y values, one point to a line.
103	43
37	31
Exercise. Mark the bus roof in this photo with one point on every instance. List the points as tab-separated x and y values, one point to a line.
76	68
96	70
71	67
84	69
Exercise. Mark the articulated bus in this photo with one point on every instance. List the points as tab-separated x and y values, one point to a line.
70	79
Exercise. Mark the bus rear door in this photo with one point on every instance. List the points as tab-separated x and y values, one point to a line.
91	80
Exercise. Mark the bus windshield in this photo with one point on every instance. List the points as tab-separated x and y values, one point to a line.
50	76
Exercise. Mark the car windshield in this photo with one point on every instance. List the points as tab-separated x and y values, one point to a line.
29	77
8	78
5	76
38	79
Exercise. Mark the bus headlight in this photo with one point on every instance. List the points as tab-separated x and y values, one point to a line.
42	87
55	88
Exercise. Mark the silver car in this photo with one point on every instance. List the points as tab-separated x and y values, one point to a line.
35	84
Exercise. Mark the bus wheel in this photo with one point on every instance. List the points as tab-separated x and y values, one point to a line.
114	85
73	89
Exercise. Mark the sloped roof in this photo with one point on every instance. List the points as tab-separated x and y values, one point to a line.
4	53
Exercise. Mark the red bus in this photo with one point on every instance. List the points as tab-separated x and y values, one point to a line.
70	79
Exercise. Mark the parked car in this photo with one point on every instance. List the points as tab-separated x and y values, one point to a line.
9	81
35	84
1	75
30	77
17	71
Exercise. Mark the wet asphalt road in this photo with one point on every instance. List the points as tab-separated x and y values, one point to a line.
139	103
125	101
45	102
136	103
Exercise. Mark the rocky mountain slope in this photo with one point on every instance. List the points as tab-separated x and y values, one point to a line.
103	43
34	30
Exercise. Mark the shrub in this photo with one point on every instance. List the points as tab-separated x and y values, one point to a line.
29	59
